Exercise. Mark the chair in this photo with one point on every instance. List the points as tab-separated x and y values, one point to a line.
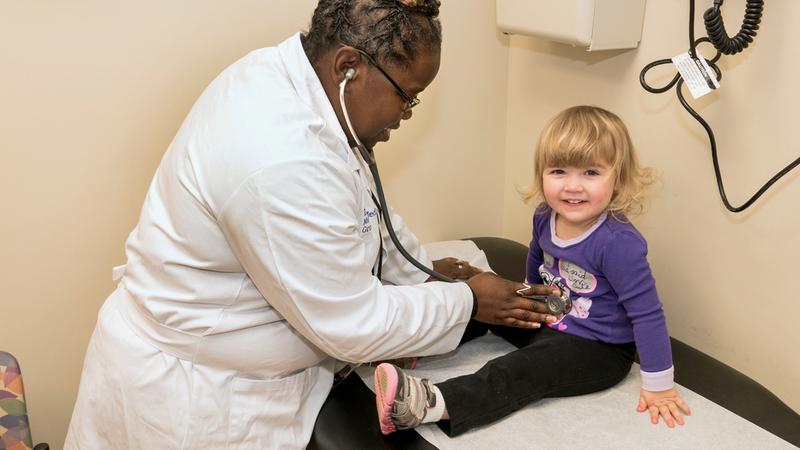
15	432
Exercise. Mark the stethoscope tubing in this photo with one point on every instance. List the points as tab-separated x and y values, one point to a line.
366	155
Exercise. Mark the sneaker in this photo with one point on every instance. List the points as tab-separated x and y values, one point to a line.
402	400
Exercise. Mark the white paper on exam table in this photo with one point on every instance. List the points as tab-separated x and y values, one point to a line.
603	420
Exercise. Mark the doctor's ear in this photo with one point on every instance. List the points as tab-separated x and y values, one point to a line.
345	63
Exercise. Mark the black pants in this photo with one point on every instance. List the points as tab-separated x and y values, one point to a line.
547	363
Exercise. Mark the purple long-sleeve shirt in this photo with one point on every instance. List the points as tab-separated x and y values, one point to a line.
606	273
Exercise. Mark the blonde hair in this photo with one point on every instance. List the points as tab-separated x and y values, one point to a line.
584	135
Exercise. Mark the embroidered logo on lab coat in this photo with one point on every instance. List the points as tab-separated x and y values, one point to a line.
369	214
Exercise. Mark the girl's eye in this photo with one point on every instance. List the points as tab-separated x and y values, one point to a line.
556	171
592	172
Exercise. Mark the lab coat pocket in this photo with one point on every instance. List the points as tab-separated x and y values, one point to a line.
266	413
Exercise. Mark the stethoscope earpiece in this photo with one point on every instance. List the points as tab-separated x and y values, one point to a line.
350	74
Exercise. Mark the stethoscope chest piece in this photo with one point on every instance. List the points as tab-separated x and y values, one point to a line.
556	305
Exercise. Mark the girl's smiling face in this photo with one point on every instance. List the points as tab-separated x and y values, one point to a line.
578	195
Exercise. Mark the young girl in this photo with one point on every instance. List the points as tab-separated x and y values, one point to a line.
589	178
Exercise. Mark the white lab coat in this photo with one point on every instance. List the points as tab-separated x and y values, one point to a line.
249	276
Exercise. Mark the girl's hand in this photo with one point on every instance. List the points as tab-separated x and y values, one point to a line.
667	404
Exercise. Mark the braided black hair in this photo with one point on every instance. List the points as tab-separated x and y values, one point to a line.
391	31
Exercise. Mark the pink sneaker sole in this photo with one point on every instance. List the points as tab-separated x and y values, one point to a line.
385	392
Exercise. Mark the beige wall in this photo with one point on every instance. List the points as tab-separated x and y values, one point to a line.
92	92
725	278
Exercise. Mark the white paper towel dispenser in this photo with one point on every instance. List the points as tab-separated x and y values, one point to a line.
593	24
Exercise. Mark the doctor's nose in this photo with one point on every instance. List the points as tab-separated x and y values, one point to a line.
407	113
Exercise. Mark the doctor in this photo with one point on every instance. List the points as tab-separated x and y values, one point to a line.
259	263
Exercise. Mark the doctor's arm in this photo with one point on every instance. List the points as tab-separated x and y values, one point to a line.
295	229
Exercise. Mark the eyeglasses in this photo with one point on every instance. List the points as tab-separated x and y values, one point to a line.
410	101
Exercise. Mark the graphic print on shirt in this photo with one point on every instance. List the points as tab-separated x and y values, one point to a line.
577	278
548	279
580	306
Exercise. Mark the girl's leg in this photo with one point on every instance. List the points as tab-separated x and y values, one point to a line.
404	401
553	364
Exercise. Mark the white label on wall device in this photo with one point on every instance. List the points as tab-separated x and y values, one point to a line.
696	73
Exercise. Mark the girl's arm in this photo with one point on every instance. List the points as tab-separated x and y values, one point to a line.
535	253
627	270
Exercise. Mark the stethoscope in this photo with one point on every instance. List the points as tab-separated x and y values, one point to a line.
366	155
556	304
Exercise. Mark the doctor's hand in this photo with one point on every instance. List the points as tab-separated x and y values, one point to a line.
498	302
454	268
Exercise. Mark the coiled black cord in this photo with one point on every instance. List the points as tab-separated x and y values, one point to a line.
718	37
715	27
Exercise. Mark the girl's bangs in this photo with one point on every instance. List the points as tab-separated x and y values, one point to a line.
576	150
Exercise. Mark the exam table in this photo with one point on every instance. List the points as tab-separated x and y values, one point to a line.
348	419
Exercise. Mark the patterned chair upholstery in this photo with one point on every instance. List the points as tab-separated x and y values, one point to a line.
15	432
